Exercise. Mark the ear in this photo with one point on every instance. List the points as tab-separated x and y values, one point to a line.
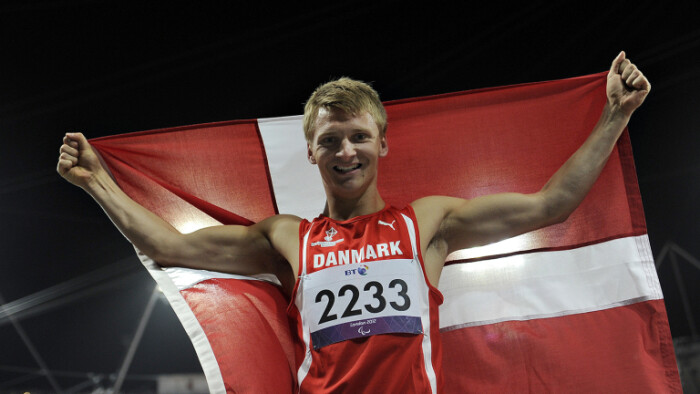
309	154
383	147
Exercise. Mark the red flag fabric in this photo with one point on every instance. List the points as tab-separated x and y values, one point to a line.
575	307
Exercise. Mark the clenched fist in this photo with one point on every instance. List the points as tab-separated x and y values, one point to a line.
77	162
627	87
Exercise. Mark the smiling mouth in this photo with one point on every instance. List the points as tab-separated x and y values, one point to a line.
346	169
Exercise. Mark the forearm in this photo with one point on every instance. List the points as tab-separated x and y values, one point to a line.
569	185
149	233
467	223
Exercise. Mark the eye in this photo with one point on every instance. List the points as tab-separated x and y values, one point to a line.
361	137
327	140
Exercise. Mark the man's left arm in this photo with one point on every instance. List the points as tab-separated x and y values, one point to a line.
449	224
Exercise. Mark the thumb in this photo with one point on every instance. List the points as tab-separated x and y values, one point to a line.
615	67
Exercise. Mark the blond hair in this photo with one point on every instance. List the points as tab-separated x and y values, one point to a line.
352	96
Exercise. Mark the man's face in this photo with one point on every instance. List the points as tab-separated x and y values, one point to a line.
346	149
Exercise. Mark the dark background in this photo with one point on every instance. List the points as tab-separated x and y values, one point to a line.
73	284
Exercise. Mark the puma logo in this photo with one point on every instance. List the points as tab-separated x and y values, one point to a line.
387	224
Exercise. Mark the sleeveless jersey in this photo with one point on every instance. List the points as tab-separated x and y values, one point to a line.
366	316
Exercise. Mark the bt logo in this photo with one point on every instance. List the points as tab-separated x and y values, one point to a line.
362	270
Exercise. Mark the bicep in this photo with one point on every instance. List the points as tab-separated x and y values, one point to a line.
488	219
242	250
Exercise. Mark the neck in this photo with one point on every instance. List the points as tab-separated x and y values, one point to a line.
339	208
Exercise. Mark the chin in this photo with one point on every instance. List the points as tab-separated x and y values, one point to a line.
352	189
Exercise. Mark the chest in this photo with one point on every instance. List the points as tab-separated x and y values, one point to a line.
360	278
329	244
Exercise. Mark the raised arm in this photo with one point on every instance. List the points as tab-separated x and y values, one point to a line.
452	224
245	250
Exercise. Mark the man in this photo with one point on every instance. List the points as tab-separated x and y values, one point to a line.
360	332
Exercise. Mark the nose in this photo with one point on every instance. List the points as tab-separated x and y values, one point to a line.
346	150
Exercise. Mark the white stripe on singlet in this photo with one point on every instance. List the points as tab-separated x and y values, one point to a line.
425	312
306	364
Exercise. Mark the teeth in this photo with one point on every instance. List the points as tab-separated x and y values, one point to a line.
347	169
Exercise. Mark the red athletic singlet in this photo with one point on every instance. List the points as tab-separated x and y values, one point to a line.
366	316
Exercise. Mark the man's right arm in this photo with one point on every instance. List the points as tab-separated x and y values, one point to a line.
245	250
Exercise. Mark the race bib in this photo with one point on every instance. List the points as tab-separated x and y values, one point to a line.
361	300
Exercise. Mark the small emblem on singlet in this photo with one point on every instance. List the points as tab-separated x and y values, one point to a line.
387	224
330	233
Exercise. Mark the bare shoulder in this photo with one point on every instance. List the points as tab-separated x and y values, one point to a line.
431	211
282	231
431	214
278	223
435	205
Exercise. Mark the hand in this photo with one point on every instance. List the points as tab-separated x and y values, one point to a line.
77	162
627	87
